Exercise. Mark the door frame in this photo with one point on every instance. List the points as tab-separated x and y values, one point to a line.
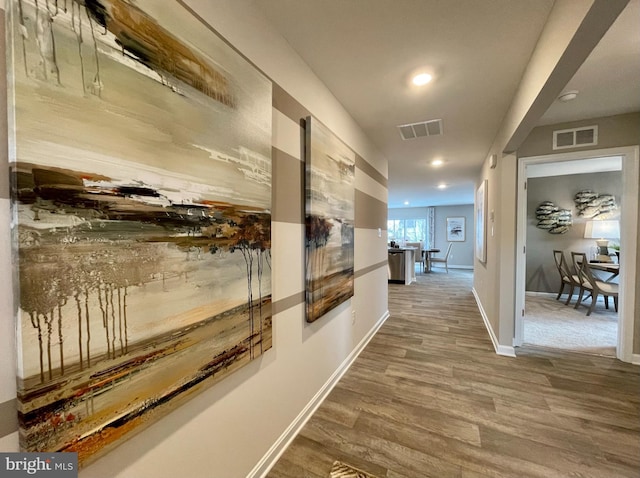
628	239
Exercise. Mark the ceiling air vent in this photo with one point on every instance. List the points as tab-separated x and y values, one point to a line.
575	138
420	130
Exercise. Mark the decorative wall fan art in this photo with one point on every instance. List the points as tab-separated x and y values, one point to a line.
553	219
591	204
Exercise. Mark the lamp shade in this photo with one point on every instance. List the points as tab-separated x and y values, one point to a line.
602	230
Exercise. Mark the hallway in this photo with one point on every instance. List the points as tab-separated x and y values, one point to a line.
428	397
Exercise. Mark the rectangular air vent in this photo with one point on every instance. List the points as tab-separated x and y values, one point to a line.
421	130
575	137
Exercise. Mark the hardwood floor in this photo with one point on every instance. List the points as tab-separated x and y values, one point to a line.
428	397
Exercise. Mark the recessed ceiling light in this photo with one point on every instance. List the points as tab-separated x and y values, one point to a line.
568	96
422	79
437	162
406	203
442	186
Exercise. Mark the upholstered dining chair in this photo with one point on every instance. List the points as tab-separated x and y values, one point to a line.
567	276
419	257
593	285
443	260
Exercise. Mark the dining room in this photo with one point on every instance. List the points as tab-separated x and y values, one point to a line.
443	236
569	209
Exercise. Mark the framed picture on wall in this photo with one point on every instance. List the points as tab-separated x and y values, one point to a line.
481	223
142	219
329	220
456	229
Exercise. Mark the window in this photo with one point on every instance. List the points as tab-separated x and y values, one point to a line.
407	230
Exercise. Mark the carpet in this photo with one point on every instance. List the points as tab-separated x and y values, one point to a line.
550	323
341	470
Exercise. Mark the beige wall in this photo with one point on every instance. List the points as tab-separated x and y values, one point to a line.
613	131
240	424
571	32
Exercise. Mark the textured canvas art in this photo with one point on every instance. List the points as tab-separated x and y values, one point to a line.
141	167
330	179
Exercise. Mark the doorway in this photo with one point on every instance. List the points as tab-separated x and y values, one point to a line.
628	240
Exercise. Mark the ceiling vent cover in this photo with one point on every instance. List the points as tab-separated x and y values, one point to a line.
575	138
421	130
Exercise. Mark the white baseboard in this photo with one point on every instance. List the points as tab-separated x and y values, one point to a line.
635	359
277	449
507	351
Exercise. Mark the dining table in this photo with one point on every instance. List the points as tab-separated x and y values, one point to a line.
610	267
428	254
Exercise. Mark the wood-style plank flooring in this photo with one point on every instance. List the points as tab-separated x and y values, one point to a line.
428	397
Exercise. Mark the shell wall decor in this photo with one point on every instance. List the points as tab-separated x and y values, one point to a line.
591	204
553	219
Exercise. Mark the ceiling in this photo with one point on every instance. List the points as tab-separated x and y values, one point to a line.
366	51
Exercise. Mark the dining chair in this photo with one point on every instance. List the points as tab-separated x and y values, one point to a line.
443	260
419	257
593	285
567	276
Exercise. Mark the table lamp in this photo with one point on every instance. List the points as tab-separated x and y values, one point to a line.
602	231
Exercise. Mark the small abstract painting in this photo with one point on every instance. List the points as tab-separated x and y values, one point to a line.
329	220
456	229
140	154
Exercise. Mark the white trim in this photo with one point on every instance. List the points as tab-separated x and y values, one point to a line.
635	359
278	448
505	350
629	246
628	239
521	257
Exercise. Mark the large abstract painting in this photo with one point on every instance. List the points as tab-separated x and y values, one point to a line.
141	166
330	179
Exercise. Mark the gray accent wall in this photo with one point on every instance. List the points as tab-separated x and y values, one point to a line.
541	273
462	251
